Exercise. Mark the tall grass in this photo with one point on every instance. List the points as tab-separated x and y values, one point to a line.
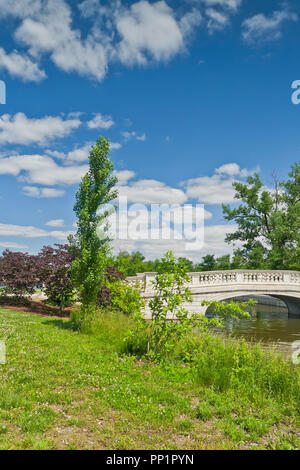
226	363
217	362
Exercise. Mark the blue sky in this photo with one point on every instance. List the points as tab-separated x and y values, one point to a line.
193	94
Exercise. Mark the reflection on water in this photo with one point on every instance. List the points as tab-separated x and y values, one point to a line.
269	325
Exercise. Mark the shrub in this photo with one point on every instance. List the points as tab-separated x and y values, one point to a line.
111	276
124	298
170	319
118	295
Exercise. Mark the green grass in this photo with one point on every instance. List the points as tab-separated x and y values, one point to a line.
64	390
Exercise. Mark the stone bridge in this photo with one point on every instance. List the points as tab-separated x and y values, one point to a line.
222	285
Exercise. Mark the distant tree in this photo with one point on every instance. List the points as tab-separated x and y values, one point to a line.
55	272
19	273
208	263
223	263
130	264
96	190
187	263
268	222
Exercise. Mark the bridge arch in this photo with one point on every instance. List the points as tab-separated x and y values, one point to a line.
292	303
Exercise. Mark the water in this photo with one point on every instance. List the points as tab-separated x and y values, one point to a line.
270	326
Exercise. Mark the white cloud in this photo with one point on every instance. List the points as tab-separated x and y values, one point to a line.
42	170
124	176
19	9
190	21
33	191
151	192
262	28
21	66
100	122
217	20
231	4
29	232
133	135
148	31
49	30
210	189
141	33
115	145
19	129
55	223
216	189
79	154
13	245
233	169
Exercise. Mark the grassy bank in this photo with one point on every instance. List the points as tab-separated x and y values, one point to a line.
64	390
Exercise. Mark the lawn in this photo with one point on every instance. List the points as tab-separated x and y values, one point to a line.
61	389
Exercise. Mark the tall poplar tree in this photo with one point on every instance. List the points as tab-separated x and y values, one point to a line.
97	188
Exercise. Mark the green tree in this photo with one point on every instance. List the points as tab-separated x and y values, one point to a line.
187	263
223	263
170	317
208	264
95	191
267	222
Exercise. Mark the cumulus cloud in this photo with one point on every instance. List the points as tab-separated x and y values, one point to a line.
21	66
231	4
14	245
49	30
19	129
47	193
133	135
216	19
263	28
41	170
233	169
100	122
140	33
148	31
55	223
30	232
151	192
78	154
216	189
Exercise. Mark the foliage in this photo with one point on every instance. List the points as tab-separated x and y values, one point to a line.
170	319
268	222
125	298
96	191
19	273
118	295
131	264
104	295
55	273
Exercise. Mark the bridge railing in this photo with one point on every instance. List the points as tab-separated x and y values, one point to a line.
211	278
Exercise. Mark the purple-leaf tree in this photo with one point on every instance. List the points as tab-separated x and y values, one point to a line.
18	273
55	273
